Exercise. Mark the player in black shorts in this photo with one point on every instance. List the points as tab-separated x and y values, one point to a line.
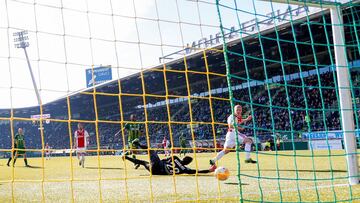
165	166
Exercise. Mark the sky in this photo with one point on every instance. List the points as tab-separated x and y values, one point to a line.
69	36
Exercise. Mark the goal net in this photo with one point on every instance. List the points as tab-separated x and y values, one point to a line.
164	77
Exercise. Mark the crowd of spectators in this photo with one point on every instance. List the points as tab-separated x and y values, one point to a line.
298	106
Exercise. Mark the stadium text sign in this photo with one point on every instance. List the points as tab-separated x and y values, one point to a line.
249	27
38	116
324	145
327	135
101	75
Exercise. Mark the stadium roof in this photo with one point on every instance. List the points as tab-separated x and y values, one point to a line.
154	77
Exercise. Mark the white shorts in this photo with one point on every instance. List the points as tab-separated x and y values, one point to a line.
81	149
230	140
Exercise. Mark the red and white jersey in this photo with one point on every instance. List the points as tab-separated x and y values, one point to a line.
81	138
230	120
47	148
164	143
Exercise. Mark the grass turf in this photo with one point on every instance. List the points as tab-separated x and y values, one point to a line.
274	179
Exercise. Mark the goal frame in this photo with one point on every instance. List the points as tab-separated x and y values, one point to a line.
343	82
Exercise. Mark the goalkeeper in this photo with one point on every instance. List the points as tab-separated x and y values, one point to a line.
133	130
168	166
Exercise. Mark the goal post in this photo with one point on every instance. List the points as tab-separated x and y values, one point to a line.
343	77
347	114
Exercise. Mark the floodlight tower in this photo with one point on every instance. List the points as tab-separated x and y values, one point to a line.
20	39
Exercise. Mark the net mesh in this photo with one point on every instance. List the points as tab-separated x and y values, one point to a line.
301	94
274	58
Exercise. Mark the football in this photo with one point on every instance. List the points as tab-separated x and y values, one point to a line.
222	173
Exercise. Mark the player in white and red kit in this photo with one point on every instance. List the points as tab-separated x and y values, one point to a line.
166	144
47	151
230	140
81	141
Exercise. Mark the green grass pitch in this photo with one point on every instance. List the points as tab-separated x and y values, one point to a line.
49	180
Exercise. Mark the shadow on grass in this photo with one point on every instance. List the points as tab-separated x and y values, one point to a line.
236	184
34	167
301	170
105	168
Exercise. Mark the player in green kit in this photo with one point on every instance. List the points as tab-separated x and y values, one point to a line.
182	141
134	132
19	143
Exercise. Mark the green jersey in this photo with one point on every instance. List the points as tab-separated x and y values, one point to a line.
182	141
133	131
19	141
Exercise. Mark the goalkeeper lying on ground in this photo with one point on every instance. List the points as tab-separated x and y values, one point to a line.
165	166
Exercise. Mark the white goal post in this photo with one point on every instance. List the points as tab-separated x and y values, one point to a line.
346	109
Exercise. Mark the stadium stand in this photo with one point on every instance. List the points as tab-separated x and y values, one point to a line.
56	133
82	108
